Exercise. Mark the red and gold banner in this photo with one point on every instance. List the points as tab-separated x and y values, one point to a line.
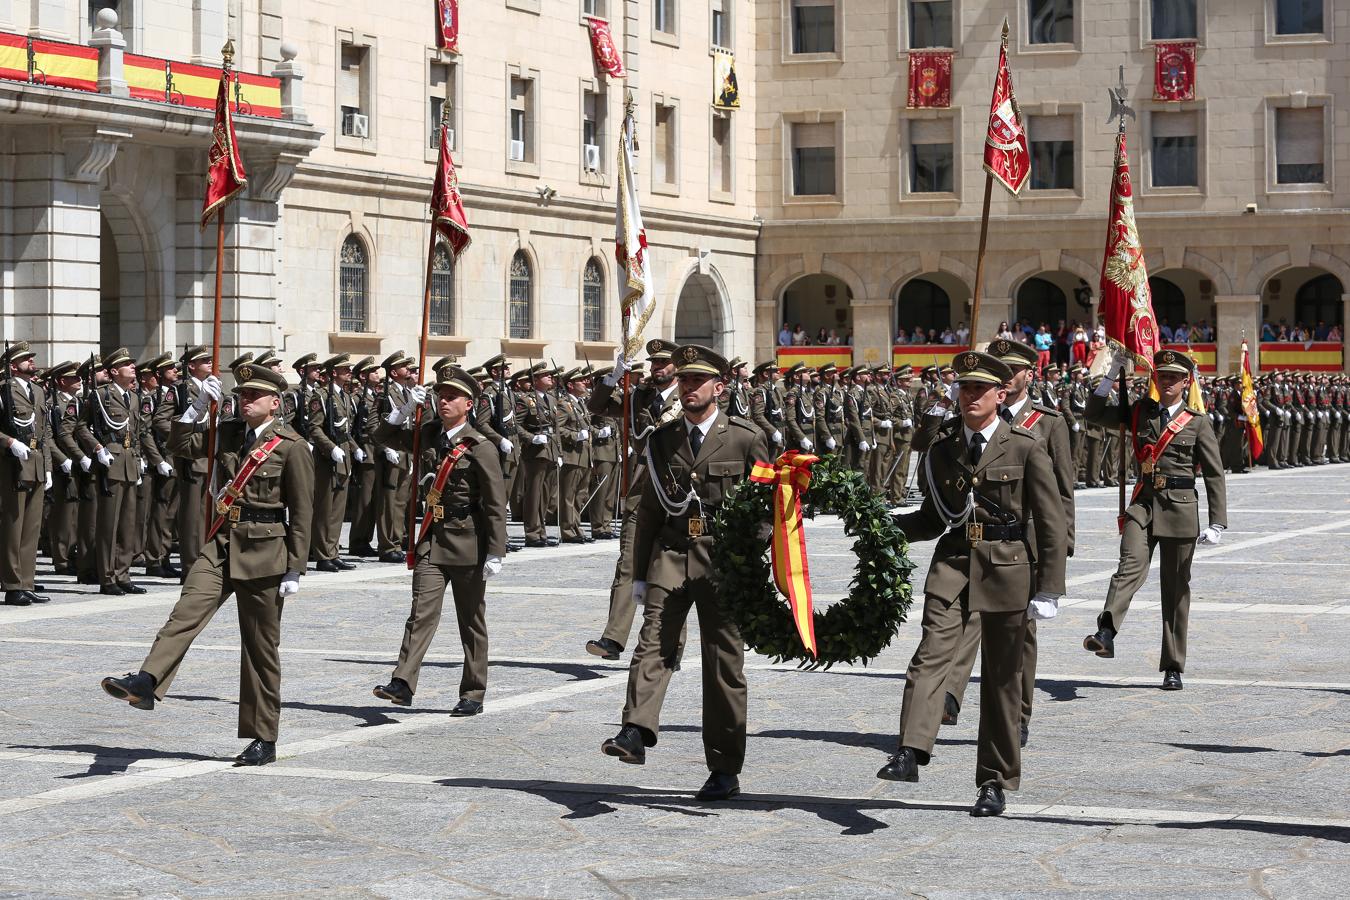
1249	408
608	60
1126	306
447	206
1006	156
225	175
447	25
1174	71
790	476
930	79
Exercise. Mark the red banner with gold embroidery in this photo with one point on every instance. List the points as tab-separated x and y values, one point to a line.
1006	155
791	475
1126	305
930	79
447	25
225	175
1174	71
608	60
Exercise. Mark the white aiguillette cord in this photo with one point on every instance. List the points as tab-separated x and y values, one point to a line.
953	519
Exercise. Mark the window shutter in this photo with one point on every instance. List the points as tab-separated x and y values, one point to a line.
820	134
1050	128
1298	136
1175	124
930	131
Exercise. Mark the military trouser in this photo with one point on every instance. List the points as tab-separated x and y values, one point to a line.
963	665
468	588
1174	572
998	755
604	486
21	512
364	505
86	529
900	473
877	463
621	607
537	469
62	536
658	652
145	502
205	590
552	487
118	523
159	531
1092	458
395	492
572	481
191	517
330	507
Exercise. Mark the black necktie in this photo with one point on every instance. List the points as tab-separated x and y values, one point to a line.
249	438
1006	414
1166	415
976	448
695	440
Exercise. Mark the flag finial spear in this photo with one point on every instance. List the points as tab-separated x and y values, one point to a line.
227	52
1120	107
1005	31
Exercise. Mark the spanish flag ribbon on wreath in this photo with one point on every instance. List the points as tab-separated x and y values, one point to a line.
791	475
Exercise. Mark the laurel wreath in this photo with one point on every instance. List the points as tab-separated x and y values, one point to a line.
853	630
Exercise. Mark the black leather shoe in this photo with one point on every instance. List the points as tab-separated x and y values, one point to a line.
466	707
17	598
258	753
951	710
112	590
136	688
902	766
171	571
87	579
535	542
155	571
627	745
603	535
327	565
38	587
1024	732
34	597
393	556
1102	643
363	551
989	802
719	786
604	648
129	588
343	565
574	540
1171	680
396	692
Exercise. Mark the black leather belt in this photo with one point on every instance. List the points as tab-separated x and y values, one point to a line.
989	531
1167	482
266	516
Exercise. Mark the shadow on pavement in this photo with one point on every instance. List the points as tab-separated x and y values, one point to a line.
574	671
111	760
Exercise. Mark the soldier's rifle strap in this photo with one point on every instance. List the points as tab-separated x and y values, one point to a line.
228	497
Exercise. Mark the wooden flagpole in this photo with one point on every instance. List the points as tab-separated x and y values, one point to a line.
210	505
417	417
979	262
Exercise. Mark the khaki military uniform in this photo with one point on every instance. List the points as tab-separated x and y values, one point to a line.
189	467
23	483
766	411
62	534
86	516
574	433
393	476
800	412
605	483
902	411
332	418
362	495
537	414
676	563
246	558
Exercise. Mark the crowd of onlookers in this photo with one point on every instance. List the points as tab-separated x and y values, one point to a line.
1272	332
797	336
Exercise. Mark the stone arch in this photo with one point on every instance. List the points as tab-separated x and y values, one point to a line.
1178	297
846	274
138	213
1223	284
701	312
1290	296
910	299
777	281
821	300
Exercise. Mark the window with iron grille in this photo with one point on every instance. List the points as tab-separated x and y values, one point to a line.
352	303
522	301
592	303
442	292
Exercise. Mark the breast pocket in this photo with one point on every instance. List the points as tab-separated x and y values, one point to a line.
1002	484
265	485
721	478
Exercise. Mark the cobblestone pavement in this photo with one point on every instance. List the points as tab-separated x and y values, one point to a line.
1237	785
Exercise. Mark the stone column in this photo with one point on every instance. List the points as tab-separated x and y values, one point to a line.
54	19
993	310
1236	314
1345	332
111	49
872	337
292	84
766	330
209	23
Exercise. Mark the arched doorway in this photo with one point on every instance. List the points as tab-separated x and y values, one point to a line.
1303	296
131	313
1183	299
930	303
816	302
698	313
1318	302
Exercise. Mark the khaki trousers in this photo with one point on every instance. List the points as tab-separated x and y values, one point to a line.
330	508
21	513
534	496
62	535
657	653
900	477
877	462
118	525
86	527
363	516
572	495
391	522
958	678
1174	573
605	485
998	756
159	534
428	587
191	517
622	610
206	589
145	503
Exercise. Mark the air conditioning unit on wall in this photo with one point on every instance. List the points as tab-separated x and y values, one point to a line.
356	125
592	158
517	151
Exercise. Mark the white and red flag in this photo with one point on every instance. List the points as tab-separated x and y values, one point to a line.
1006	156
637	291
608	60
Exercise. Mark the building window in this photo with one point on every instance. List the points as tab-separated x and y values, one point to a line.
663	16
665	171
520	121
352	300
813	159
593	8
1175	20
1050	21
441	91
1299	145
930	24
812	26
442	292
924	306
1175	148
522	298
720	180
593	303
1319	301
355	100
720	28
1052	152
932	158
593	109
1299	17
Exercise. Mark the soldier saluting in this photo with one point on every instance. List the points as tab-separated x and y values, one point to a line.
256	549
461	539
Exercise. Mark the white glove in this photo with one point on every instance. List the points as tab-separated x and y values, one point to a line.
359	455
338	455
144	467
210	391
885	425
807	446
621	368
505	446
559	461
906	423
604	433
639	592
953	391
1076	426
583	435
417	395
103	456
138	481
1043	606
1211	535
311	446
164	469
539	440
829	443
864	447
65	467
492	566
19	449
391	456
290	584
778	437
1242	418
86	463
48	486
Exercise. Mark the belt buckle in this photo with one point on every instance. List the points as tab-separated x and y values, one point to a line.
126	441
32	443
235	513
437	512
696	526
1160	482
974	532
1148	466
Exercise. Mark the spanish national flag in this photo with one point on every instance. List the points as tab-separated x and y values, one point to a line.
1249	409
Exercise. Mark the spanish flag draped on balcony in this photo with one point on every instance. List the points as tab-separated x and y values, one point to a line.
225	175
